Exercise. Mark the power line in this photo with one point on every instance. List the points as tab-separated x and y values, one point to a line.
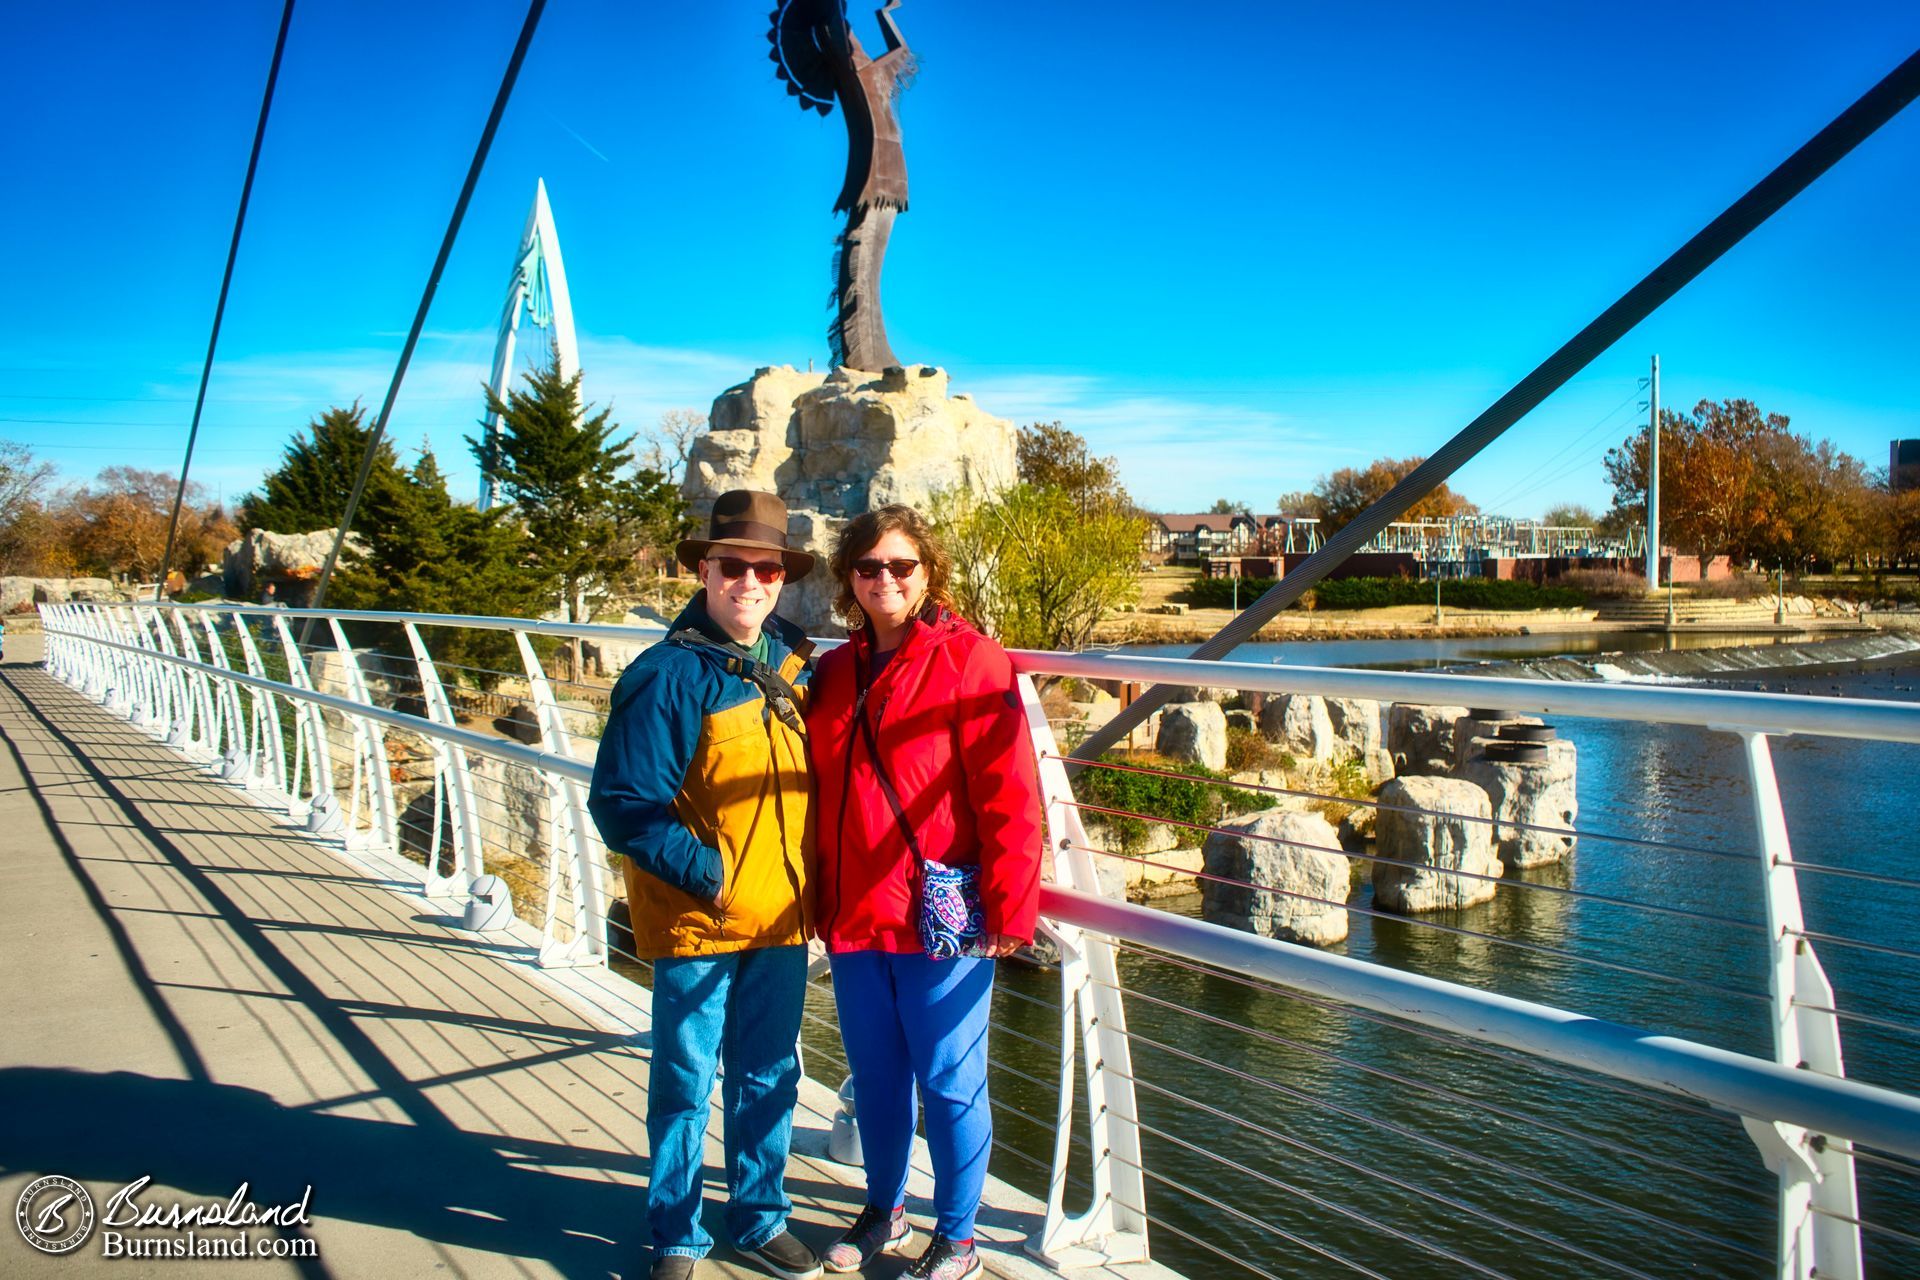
1520	488
226	281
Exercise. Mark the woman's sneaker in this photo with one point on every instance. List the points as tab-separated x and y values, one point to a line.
946	1260
873	1233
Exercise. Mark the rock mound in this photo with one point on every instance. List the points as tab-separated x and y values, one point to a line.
836	445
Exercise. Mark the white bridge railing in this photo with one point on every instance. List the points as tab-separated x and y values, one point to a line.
472	769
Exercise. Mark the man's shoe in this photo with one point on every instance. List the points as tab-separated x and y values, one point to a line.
945	1260
672	1266
786	1257
874	1232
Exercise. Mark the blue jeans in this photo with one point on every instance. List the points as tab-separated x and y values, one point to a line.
906	1020
741	1012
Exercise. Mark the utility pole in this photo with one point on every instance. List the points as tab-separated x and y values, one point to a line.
1653	480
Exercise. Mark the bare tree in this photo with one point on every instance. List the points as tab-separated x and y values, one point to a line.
668	445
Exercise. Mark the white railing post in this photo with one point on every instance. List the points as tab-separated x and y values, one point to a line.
237	764
452	787
1113	1227
180	692
569	831
1819	1203
267	750
323	807
372	776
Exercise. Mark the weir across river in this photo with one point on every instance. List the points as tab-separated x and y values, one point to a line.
240	861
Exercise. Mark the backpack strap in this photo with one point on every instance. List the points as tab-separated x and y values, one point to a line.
782	698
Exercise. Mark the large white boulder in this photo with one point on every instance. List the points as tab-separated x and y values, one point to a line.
290	561
1425	828
1538	794
1298	724
1356	725
1421	738
839	444
1280	874
1195	731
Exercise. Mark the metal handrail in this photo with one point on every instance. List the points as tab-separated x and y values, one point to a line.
1728	710
1732	1082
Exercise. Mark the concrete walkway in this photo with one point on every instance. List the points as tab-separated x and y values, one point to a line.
200	994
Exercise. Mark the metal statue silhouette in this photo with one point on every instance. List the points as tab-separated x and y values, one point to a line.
820	59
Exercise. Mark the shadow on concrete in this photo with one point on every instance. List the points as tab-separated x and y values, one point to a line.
423	1175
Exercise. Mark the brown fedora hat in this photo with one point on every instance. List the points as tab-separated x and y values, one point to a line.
750	520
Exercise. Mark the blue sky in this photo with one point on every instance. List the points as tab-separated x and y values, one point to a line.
1235	245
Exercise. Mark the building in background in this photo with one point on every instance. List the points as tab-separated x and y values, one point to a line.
1903	465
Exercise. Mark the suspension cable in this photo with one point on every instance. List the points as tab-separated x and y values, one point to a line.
226	281
426	303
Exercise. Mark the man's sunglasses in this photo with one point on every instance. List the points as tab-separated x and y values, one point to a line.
731	568
900	569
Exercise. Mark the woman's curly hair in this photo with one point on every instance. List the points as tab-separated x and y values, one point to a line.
859	536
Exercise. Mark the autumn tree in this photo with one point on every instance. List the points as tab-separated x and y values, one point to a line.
1570	515
1036	570
1347	492
117	524
1049	456
26	485
1719	473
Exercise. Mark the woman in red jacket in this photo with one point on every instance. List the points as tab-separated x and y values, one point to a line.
920	749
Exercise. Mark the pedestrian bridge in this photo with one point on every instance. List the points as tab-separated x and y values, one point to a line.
238	859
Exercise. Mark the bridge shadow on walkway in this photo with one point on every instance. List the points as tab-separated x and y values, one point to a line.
198	994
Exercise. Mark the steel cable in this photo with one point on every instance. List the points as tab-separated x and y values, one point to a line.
226	283
527	29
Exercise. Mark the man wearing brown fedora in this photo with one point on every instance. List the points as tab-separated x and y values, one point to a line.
701	782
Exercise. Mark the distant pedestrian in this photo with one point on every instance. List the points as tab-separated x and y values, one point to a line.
701	782
928	815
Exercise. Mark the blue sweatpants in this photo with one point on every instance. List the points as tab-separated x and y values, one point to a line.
906	1019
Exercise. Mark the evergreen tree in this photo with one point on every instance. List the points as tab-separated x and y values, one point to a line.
560	465
426	553
309	489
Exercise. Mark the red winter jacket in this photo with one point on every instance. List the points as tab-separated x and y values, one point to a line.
953	737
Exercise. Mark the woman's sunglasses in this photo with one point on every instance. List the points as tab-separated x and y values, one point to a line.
900	569
732	568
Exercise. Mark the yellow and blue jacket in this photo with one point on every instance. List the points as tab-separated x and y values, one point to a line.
705	791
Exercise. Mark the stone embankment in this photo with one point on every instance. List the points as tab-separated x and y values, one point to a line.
1425	806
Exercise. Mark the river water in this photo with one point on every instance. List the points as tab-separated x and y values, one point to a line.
1294	1140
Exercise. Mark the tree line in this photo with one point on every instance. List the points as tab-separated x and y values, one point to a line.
1738	482
581	517
112	527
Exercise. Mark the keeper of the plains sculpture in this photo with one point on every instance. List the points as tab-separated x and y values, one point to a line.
822	61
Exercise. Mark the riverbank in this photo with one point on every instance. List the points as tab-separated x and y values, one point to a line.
1161	616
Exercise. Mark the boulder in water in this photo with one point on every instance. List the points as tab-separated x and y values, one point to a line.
1539	794
1298	724
1425	826
1294	878
1421	738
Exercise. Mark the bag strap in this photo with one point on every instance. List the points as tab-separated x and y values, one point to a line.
886	782
781	696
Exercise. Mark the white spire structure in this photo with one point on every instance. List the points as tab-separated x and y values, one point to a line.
537	291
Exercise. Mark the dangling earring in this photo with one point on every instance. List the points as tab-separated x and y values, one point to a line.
854	618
